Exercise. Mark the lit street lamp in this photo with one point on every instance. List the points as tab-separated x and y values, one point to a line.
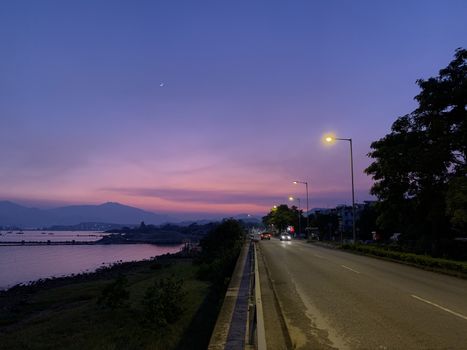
299	216
331	139
307	209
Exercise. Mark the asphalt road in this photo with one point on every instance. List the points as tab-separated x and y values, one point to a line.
333	299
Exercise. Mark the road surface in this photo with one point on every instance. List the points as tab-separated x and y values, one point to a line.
332	299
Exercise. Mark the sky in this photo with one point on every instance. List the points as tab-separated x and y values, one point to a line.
207	107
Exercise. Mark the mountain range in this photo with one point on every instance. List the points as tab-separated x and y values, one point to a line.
12	214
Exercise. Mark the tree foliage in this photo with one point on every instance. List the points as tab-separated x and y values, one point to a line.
327	224
419	168
219	252
281	217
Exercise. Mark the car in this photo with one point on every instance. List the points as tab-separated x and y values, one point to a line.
266	235
255	237
285	237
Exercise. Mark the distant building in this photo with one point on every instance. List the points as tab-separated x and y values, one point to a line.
344	214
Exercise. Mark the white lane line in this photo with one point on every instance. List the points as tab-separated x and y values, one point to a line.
348	268
440	307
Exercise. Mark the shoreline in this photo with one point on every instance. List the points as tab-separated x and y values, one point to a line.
107	271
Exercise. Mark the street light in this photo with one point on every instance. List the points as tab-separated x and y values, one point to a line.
307	209
331	139
299	216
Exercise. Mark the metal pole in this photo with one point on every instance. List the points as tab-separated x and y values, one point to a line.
353	195
299	218
307	209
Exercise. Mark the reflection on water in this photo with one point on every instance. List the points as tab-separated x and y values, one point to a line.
21	264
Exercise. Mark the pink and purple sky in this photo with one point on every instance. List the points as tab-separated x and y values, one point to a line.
207	107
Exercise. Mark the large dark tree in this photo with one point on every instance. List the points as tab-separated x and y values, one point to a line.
327	224
420	168
281	217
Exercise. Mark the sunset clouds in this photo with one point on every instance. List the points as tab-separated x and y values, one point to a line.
248	91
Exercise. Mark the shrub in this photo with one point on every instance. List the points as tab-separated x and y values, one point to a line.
163	302
115	294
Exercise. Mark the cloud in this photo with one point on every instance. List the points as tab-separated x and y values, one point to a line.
221	197
200	196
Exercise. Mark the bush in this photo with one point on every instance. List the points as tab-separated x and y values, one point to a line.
115	295
163	302
219	254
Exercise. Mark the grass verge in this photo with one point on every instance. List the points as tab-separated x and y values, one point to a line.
64	314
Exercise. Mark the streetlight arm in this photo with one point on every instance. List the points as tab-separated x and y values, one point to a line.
300	182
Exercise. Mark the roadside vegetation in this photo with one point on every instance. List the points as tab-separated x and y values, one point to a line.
219	253
107	312
452	267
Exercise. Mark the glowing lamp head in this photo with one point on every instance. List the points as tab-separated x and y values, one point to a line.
329	139
291	198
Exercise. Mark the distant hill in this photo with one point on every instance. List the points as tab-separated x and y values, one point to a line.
12	214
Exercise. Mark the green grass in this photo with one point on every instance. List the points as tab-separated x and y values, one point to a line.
64	314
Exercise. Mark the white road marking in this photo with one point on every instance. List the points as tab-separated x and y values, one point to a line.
348	268
440	307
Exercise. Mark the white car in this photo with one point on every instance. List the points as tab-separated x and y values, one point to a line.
285	237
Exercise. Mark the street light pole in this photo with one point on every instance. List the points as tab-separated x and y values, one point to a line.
330	139
307	208
353	195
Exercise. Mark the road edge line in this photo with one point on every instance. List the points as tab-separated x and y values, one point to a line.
261	333
285	329
439	306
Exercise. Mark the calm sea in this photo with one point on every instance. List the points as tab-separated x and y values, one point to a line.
21	264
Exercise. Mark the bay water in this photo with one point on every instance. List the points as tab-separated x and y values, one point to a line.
23	263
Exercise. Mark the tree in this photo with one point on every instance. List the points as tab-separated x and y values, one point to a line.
422	157
457	203
366	221
327	224
281	217
219	252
